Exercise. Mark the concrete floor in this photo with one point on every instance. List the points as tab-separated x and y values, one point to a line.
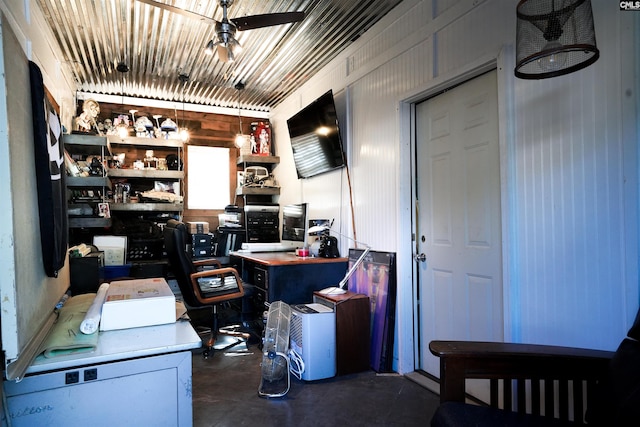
225	393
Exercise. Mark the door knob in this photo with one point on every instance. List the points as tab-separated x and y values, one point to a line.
420	257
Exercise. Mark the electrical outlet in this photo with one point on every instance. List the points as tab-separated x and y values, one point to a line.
72	377
91	374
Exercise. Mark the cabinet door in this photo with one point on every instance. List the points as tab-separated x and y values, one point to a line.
152	391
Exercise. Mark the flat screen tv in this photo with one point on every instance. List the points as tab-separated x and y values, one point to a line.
315	138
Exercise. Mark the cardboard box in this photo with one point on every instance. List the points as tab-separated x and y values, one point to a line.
198	227
114	248
136	303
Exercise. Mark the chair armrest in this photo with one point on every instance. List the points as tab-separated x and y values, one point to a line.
207	262
225	271
541	364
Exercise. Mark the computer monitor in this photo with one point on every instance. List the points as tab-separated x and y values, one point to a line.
294	225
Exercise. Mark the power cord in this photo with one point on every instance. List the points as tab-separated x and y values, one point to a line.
296	364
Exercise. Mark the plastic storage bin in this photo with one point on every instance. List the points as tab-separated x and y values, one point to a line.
110	272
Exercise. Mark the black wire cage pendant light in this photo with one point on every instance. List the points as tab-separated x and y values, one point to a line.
554	37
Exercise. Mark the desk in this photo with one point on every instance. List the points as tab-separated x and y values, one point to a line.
137	376
282	276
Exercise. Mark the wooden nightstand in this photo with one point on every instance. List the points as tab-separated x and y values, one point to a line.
353	314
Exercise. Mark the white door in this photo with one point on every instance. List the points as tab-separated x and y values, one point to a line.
458	229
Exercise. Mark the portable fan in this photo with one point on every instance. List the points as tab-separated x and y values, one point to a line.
275	360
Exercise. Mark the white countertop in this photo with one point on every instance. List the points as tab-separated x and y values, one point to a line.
127	344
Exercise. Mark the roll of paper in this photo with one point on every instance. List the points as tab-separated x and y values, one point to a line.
92	320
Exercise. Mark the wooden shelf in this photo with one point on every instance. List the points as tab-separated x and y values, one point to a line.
146	207
148	142
257	191
258	160
145	173
87	140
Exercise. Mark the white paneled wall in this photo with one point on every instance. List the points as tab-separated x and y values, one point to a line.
569	164
573	185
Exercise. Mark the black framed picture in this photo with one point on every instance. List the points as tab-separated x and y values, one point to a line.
376	278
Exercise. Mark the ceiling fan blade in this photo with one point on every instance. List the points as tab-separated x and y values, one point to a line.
177	10
266	20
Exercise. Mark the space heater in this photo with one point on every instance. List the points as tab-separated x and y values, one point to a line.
313	337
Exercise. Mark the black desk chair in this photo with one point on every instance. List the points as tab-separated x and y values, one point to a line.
201	288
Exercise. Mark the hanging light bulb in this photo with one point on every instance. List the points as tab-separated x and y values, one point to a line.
122	128
555	59
240	139
184	134
209	49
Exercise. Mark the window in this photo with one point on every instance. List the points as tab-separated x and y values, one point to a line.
208	177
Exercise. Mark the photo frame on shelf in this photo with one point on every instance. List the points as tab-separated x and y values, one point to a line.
103	210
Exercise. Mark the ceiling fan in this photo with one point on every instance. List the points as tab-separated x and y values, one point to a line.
225	42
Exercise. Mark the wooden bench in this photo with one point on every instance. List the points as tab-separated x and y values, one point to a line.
553	385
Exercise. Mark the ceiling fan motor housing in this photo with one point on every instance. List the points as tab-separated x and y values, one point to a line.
225	31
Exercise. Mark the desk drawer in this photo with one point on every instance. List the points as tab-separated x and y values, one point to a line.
261	278
259	299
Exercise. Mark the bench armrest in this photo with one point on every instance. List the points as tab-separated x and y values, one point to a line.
512	363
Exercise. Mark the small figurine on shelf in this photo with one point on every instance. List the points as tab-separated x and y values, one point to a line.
261	138
169	128
157	133
144	127
108	126
254	146
150	161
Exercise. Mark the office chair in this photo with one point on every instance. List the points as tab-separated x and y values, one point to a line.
202	288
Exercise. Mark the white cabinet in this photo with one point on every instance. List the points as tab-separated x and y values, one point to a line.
135	377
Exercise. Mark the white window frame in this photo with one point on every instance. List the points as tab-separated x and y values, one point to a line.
208	177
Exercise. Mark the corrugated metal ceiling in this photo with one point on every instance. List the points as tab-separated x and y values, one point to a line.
159	45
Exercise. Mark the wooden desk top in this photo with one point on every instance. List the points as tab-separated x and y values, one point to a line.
283	258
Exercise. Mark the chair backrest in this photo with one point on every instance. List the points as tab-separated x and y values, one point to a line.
175	242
